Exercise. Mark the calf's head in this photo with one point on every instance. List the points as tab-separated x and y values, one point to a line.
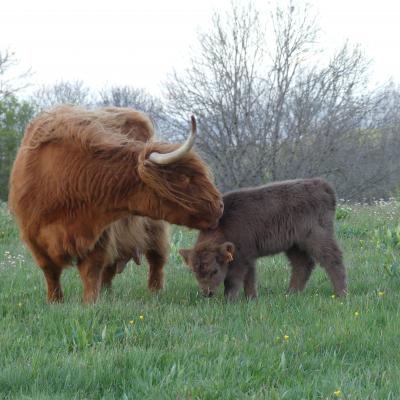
182	184
209	263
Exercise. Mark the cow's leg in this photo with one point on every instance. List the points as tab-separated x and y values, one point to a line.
156	260
52	274
325	251
91	270
156	253
250	283
302	266
107	276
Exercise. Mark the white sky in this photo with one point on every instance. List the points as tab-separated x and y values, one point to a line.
138	42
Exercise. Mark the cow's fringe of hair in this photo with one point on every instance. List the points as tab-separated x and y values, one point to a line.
156	177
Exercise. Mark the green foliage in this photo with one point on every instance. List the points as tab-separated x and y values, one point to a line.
307	346
7	229
387	243
84	334
342	212
14	116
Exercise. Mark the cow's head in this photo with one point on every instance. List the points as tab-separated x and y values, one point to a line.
180	184
210	263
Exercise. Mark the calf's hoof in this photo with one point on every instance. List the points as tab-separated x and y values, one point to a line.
341	293
293	290
251	296
231	296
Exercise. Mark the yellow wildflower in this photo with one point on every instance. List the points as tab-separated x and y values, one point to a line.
286	337
356	314
337	393
131	321
141	317
333	296
381	294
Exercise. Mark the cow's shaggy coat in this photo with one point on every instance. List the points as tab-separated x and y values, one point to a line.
78	171
295	217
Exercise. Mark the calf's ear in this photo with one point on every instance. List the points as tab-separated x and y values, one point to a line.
227	250
185	253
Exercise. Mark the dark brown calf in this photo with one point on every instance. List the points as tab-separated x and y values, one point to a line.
295	217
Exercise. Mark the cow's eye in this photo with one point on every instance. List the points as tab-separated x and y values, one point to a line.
184	179
212	273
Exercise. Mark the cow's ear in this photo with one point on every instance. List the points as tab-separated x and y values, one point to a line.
185	254
227	250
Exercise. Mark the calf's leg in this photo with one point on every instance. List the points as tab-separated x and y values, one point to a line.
232	288
327	253
250	283
236	277
302	267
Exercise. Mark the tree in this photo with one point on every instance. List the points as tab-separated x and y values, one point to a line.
62	92
281	109
294	34
14	116
223	87
138	99
334	126
10	83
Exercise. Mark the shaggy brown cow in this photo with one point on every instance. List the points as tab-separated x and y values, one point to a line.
295	217
78	171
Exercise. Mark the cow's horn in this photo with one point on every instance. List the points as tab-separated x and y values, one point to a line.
169	158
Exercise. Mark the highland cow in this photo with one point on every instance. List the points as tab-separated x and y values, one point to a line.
79	171
295	217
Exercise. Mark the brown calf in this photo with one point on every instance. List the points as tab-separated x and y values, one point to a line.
295	217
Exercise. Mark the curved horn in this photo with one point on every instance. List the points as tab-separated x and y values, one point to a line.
169	158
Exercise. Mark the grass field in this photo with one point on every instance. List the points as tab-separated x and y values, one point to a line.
178	345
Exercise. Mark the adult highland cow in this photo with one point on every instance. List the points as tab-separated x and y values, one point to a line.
78	171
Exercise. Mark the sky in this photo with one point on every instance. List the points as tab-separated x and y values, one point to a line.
137	43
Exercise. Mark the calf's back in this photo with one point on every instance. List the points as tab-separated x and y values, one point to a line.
269	219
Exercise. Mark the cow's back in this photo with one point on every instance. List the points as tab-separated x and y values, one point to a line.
49	190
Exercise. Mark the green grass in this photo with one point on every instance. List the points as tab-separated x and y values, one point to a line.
186	347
